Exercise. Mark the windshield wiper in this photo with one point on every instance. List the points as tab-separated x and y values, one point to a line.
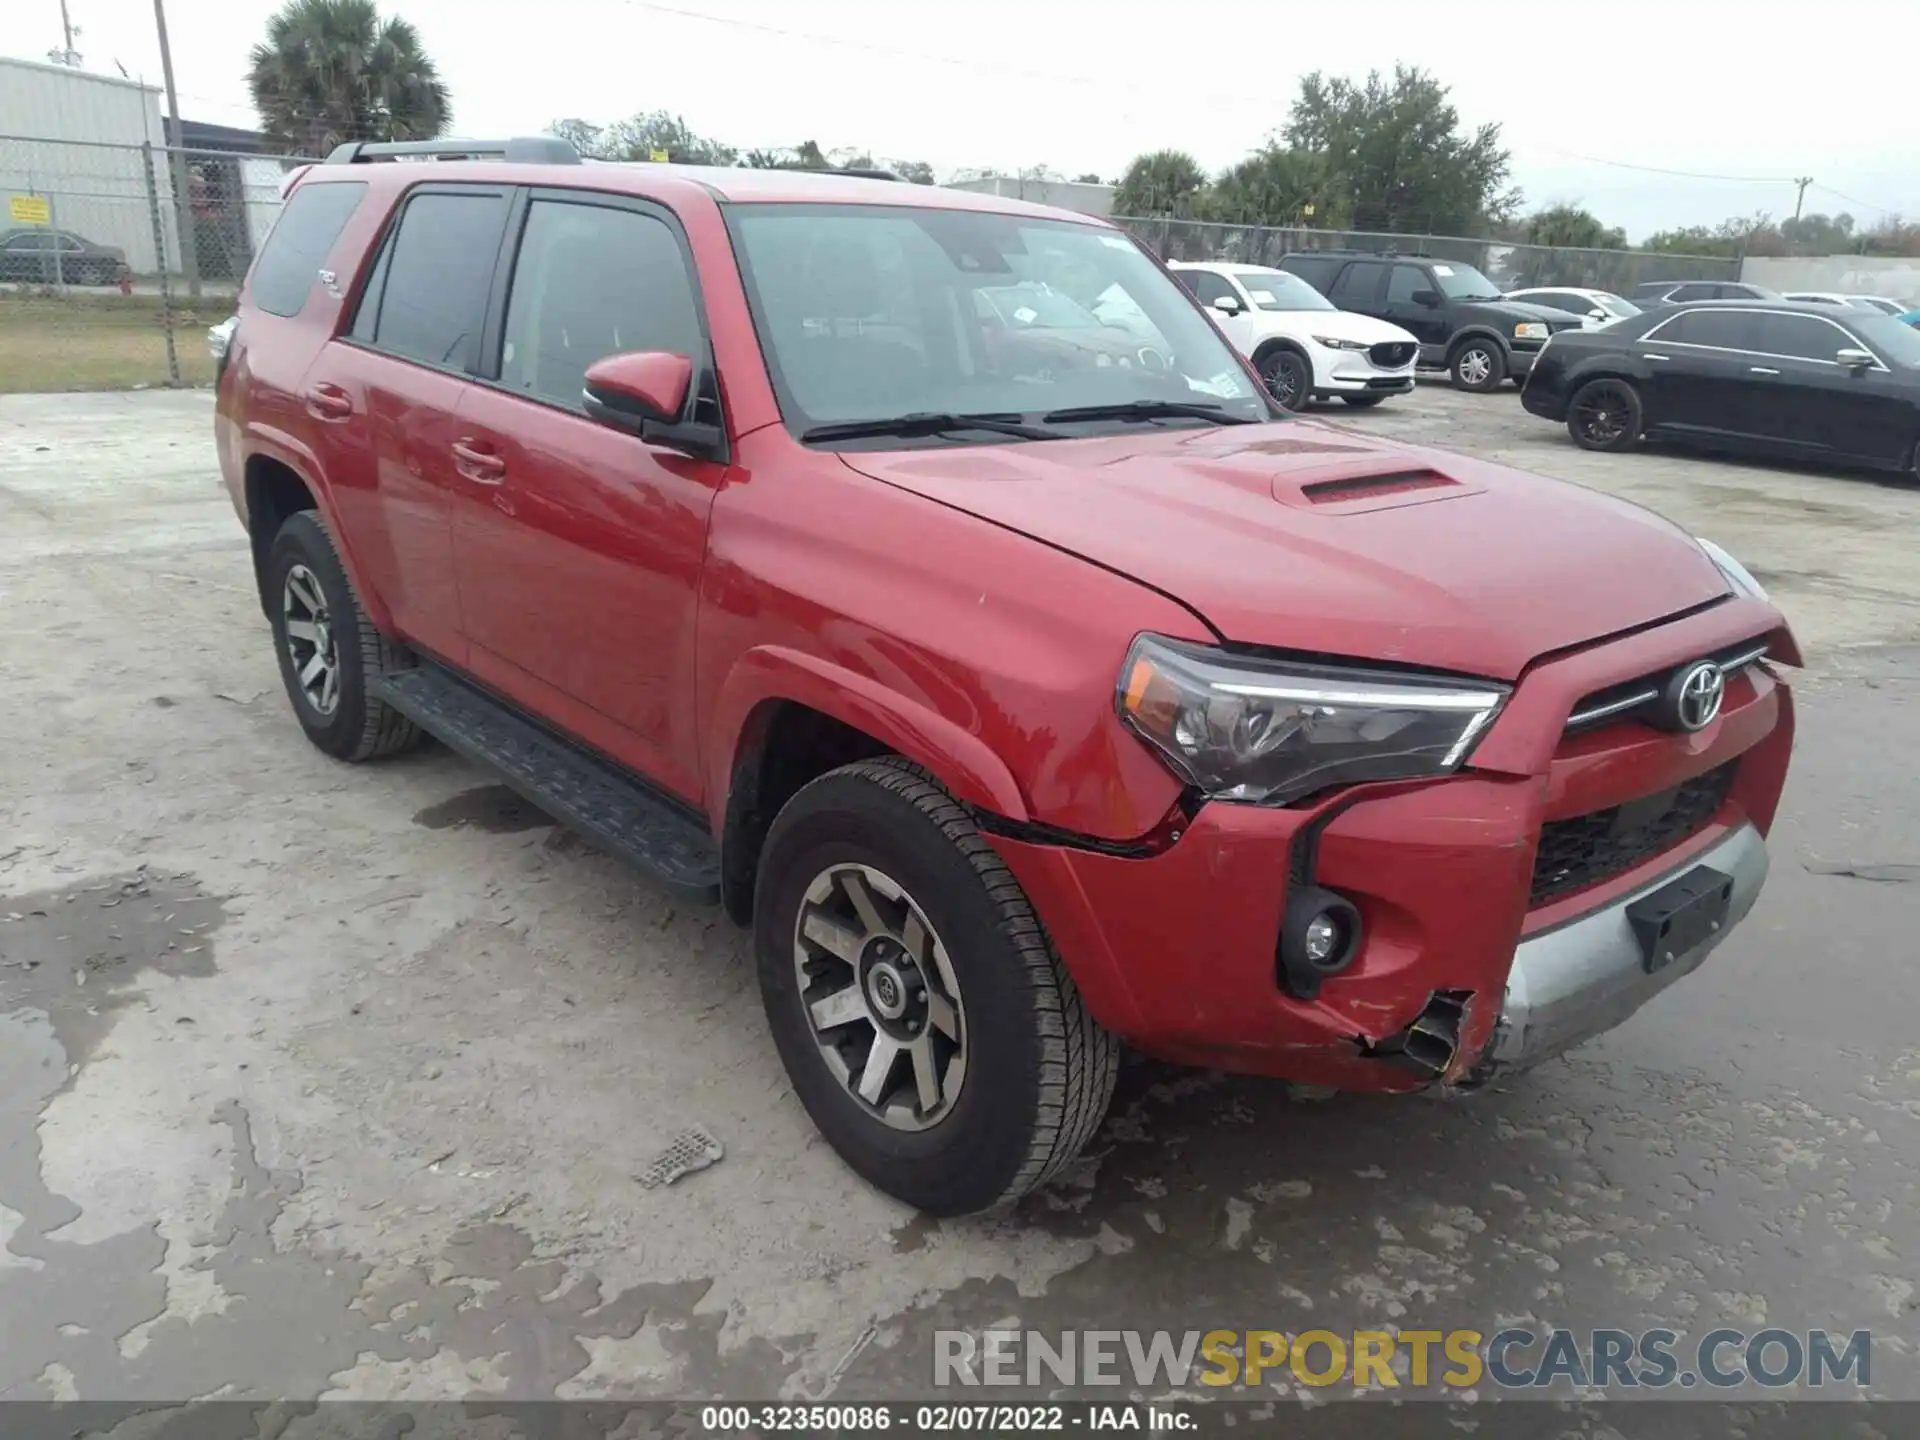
928	422
1146	410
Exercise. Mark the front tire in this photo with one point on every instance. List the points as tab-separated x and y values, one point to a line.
926	1022
1288	377
329	651
1479	366
1604	415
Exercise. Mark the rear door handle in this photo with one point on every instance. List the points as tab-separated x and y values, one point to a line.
478	464
1760	370
329	402
1656	357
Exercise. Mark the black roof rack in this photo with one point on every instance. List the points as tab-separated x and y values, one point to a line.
861	171
521	150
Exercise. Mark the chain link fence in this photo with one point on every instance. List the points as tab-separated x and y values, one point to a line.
114	259
1511	267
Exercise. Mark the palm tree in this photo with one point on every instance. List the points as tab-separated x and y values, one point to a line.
330	71
1166	182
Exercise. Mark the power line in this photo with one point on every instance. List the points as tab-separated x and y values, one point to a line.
1856	200
1682	174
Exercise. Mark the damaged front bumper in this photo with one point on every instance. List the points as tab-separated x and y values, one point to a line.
1587	975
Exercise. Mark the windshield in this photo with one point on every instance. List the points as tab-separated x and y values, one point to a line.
1874	302
1277	290
1616	306
1900	343
871	312
1463	282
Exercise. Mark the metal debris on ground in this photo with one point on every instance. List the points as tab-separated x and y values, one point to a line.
692	1149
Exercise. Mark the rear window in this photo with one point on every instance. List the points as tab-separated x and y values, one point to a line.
309	223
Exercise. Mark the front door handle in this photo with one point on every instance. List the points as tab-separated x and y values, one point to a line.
1760	370
329	402
1656	357
477	463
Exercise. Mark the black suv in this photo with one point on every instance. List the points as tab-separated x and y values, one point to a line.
1454	311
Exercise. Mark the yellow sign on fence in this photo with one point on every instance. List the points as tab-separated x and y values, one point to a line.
30	210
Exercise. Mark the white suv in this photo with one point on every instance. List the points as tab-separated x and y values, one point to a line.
1303	347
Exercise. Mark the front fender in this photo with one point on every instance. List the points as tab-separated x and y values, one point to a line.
960	760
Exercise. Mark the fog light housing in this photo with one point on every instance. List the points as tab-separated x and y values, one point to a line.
1319	937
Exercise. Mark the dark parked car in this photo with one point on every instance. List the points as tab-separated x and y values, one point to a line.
1796	381
1459	317
46	257
1686	292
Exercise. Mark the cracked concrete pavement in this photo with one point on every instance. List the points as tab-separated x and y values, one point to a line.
325	1081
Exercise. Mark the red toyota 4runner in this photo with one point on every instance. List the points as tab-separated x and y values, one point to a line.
923	575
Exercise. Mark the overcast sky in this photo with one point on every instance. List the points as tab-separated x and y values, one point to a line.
1759	93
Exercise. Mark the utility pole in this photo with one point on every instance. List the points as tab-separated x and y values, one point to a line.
182	190
68	56
1803	182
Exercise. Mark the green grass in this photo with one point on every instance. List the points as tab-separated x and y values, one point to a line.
99	341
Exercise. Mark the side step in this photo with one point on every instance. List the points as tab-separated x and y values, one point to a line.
619	812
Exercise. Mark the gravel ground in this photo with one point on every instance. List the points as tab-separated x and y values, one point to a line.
330	1081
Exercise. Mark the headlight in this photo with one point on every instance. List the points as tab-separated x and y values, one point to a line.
1531	330
1247	729
1738	576
1334	344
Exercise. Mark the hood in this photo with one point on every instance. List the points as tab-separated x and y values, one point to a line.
1304	537
1513	310
1339	324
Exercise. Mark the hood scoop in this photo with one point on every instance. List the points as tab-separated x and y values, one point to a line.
1351	488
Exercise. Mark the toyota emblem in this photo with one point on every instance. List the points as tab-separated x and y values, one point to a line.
1694	696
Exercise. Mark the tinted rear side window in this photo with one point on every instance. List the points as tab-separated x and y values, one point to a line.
1317	271
309	223
440	265
1722	329
1360	285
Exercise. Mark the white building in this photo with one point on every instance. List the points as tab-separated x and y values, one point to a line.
73	138
1081	197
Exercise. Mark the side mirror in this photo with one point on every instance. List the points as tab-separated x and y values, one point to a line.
1855	359
1428	298
646	393
1598	314
1228	305
634	387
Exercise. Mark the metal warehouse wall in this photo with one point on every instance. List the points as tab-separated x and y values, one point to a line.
100	193
1896	279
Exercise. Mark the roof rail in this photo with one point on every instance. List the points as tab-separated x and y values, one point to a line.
862	171
521	150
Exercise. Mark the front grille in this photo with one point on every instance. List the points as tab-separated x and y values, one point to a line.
1588	849
1634	699
1390	355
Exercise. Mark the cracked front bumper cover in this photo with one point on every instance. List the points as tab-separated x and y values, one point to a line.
1586	976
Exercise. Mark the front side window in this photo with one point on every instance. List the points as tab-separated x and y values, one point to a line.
873	312
591	281
1208	287
1404	283
297	247
1804	337
434	298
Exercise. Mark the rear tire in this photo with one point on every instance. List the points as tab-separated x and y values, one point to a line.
1287	376
1604	415
1363	402
1478	365
882	917
329	651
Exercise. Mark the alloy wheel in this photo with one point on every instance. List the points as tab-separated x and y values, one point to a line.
1283	378
1476	366
311	644
1602	415
880	997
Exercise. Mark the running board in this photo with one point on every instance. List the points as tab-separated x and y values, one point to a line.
589	794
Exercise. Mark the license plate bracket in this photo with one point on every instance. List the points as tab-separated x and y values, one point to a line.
1680	915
